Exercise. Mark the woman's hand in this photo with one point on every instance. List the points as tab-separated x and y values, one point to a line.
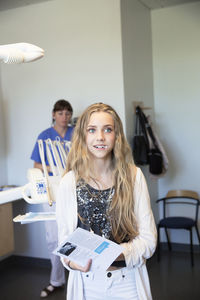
74	266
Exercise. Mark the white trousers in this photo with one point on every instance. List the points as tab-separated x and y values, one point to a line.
114	285
57	276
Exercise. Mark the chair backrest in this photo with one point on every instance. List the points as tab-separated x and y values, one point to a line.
183	197
182	193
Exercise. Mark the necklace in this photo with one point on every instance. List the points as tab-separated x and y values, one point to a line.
93	208
96	193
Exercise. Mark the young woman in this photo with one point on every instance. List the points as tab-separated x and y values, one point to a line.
61	117
104	192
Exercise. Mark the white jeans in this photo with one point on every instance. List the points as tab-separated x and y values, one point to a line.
111	285
57	276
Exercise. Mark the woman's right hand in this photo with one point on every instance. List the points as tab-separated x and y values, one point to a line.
74	266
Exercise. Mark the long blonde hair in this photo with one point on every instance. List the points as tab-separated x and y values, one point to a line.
121	210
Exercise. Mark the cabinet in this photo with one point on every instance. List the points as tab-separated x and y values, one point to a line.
6	229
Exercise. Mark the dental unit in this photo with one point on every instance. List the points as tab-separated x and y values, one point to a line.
42	187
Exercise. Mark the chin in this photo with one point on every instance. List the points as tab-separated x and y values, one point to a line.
101	155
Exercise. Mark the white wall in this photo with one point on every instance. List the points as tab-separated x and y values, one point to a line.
3	169
82	63
138	74
176	56
137	58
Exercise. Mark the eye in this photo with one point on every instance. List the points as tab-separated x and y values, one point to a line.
108	129
91	130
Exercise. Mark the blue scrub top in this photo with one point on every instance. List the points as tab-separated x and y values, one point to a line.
52	134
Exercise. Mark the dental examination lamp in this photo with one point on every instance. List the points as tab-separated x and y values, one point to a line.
20	53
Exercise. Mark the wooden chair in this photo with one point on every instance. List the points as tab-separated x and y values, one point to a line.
181	198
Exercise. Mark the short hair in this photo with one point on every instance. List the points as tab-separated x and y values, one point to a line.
62	105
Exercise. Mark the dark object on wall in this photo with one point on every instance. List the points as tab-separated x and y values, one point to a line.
145	148
140	152
180	198
140	143
155	155
155	161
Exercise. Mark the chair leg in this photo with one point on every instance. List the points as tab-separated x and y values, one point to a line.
168	241
158	244
197	231
191	248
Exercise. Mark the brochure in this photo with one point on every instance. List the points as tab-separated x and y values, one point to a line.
31	217
82	245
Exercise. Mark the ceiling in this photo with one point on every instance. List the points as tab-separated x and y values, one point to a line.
9	4
152	4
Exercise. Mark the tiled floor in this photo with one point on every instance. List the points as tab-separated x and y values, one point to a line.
172	278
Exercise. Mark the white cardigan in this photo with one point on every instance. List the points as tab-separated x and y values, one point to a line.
135	252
